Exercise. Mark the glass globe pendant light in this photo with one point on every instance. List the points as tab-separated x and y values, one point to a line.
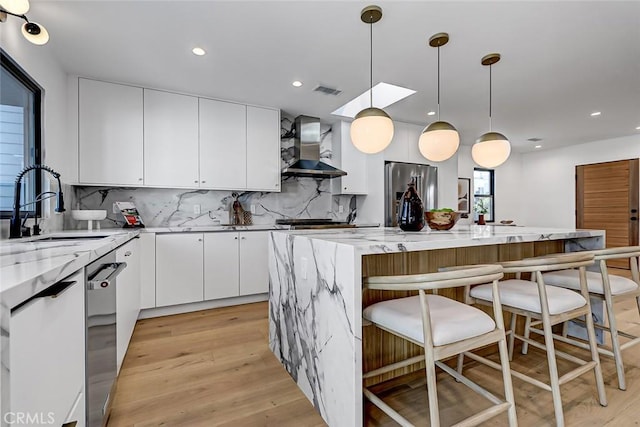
15	7
440	140
492	149
372	129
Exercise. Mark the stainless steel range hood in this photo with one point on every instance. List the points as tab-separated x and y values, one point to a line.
307	152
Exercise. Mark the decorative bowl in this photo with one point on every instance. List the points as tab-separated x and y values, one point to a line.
87	215
441	220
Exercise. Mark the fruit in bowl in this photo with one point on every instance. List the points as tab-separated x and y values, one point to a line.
441	219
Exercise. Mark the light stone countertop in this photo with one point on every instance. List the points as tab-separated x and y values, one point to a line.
387	240
28	266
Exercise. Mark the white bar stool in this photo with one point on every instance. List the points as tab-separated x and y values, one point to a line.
443	327
549	305
611	289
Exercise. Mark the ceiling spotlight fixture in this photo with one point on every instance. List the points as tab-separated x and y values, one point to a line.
372	129
297	83
32	31
198	51
596	113
492	149
440	140
431	113
538	146
638	128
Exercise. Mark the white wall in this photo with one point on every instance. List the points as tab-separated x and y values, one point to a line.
548	178
508	185
40	63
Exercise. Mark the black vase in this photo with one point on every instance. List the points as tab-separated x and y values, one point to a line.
411	212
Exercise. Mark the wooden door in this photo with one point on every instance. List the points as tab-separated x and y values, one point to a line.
607	199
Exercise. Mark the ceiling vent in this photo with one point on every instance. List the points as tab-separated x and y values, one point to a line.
327	90
534	139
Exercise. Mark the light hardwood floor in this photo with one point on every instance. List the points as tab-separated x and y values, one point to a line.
214	367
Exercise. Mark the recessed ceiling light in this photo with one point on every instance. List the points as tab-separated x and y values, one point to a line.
431	113
297	83
384	94
198	51
538	146
596	113
638	128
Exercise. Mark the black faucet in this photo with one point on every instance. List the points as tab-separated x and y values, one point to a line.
15	229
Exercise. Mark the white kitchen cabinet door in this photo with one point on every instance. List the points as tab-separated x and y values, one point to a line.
47	353
263	149
110	133
351	160
127	296
179	268
170	140
223	145
254	266
221	265
147	270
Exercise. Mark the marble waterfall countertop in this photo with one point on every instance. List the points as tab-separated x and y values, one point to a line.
30	265
315	299
387	240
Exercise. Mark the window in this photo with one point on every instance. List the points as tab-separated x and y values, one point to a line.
20	100
483	194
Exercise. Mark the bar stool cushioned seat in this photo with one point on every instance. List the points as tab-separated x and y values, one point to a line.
523	294
571	279
451	321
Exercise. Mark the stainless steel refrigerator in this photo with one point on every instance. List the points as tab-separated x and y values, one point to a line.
397	176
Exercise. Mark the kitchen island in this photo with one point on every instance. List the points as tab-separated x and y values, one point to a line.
316	298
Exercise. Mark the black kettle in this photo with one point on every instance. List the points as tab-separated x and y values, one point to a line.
411	212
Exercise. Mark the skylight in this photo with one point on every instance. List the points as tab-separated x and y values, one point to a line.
384	94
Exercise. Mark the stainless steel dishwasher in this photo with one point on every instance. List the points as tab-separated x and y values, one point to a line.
101	336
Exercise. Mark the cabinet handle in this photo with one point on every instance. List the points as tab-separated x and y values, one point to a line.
235	238
139	179
277	184
203	181
128	253
345	188
243	238
199	240
196	181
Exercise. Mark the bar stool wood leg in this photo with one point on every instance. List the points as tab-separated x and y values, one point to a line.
613	327
527	326
512	335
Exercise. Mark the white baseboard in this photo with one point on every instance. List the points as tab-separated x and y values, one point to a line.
202	305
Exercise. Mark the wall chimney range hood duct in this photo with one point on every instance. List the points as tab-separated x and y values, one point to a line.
307	152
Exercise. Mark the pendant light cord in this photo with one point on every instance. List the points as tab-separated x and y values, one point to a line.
438	82
490	91
371	61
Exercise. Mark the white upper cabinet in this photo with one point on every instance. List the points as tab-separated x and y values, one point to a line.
348	158
263	149
404	146
170	140
223	144
150	138
110	133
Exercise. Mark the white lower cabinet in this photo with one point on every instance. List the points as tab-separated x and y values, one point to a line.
179	268
127	296
221	265
47	347
254	267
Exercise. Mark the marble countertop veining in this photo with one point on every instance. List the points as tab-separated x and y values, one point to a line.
386	240
28	266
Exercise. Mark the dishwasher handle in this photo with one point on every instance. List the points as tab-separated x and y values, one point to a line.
105	274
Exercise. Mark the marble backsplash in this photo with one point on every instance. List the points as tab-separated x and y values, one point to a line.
299	198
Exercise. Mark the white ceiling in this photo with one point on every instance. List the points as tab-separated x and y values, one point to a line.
561	60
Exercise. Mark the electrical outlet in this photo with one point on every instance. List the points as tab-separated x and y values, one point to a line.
340	209
253	209
115	209
303	267
196	209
